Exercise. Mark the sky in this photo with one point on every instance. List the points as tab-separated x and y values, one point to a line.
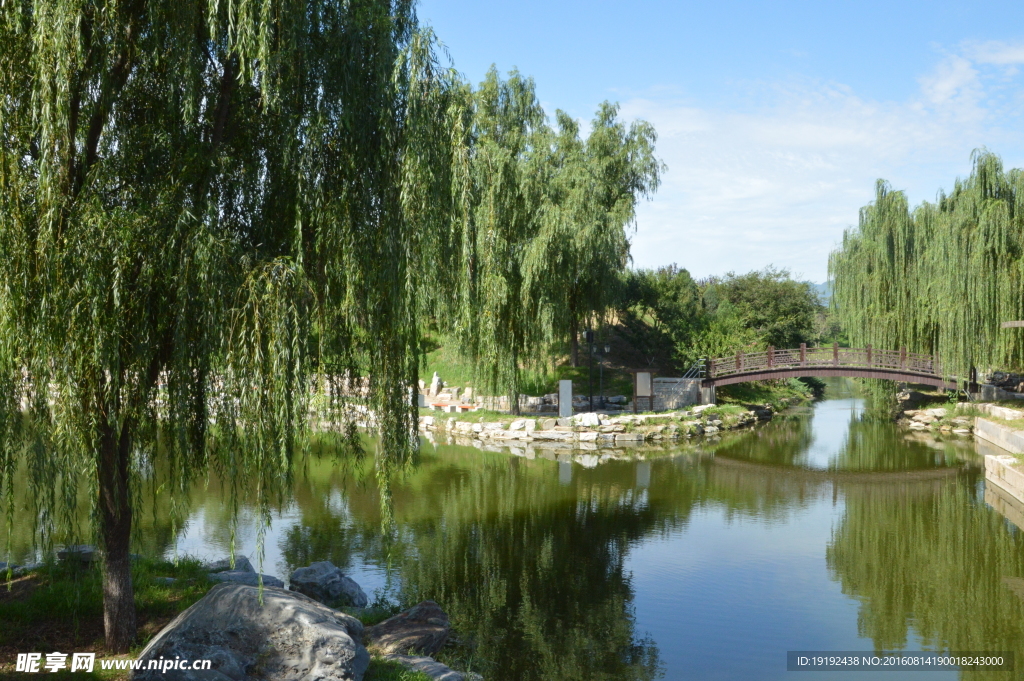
775	119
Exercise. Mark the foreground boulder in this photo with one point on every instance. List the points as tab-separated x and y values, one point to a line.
326	583
288	638
422	628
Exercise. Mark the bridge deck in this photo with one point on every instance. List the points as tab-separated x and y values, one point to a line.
897	365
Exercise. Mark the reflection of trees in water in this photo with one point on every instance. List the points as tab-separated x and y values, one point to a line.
870	445
931	557
532	570
782	442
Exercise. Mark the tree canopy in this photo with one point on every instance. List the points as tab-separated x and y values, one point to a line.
942	277
721	315
549	219
189	192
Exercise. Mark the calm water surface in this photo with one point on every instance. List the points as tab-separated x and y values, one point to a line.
818	531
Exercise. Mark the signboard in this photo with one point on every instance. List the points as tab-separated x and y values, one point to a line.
644	387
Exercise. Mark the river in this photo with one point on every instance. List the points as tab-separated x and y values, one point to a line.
822	530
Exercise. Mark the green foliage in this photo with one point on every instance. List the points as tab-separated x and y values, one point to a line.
778	393
942	277
722	315
779	310
548	218
206	210
670	298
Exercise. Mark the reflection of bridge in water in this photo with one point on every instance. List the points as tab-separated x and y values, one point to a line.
894	365
814	475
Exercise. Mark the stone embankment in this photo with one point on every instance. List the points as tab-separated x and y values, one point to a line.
594	429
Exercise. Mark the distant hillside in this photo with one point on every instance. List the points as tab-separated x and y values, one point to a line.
824	291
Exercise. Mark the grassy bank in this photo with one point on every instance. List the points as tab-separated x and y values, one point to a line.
60	608
779	393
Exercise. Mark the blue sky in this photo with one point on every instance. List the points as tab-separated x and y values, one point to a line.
775	118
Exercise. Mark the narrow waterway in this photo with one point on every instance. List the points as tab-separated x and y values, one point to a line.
819	531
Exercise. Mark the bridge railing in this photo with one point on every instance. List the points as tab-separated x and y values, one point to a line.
828	356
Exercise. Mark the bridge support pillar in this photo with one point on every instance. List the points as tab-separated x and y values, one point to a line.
707	395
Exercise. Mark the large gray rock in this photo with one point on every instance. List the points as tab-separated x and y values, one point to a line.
288	638
248	578
326	583
78	553
422	628
242	564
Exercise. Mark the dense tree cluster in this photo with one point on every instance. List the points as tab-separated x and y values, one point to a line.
212	212
941	277
723	315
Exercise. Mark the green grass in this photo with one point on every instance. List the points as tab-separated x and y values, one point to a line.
478	416
60	607
763	392
456	372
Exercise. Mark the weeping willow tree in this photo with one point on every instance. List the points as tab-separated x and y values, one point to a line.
589	207
206	211
507	133
548	224
942	277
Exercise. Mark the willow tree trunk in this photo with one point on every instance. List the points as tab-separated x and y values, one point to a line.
575	354
115	532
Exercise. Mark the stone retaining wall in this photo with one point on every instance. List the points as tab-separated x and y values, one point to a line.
675	393
1002	436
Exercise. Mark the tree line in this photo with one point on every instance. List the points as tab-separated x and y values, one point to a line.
689	320
942	277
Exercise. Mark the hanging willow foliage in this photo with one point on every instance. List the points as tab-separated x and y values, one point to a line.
547	229
941	278
208	210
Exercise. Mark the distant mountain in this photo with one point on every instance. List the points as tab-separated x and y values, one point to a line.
824	291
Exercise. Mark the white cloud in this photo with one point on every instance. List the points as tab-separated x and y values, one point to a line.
955	78
780	184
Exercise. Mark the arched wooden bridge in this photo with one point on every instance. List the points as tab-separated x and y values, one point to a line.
894	365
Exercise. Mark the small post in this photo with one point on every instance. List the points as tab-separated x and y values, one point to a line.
903	357
803	354
869	354
590	370
739	361
771	356
835	354
565	399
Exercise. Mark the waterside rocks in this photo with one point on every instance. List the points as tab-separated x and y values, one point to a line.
595	429
78	553
248	578
326	583
289	637
422	628
937	418
242	564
